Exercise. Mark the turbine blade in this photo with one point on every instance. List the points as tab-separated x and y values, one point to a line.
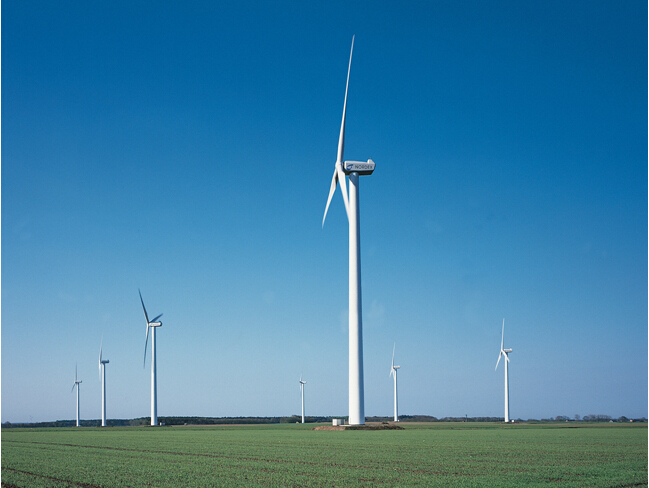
343	187
338	173
507	357
334	182
341	140
143	307
501	353
156	319
75	384
145	344
395	345
502	338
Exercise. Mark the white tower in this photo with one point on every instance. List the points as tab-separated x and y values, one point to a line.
302	383
353	169
102	370
505	352
393	371
152	324
154	381
76	383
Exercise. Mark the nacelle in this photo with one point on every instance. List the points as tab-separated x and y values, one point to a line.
360	167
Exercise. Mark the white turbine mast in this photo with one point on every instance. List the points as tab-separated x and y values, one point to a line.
151	324
102	373
393	372
353	169
302	383
505	352
76	384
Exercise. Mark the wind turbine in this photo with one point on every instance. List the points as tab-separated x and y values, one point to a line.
151	324
505	352
76	383
393	371
353	169
102	372
302	383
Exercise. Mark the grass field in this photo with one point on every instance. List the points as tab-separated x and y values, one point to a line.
443	454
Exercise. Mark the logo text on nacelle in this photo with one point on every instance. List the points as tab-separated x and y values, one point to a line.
360	167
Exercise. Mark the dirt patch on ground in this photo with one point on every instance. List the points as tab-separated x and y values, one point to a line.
359	427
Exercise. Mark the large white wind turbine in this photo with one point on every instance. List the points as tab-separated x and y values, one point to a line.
76	383
393	371
151	324
302	383
505	352
102	372
353	169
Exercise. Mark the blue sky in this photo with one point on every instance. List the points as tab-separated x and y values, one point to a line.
187	150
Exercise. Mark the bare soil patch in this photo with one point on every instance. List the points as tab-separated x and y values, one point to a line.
360	427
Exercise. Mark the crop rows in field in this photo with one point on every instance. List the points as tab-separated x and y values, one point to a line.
293	456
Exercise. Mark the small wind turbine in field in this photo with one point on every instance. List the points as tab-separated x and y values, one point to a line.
393	371
102	373
302	383
353	169
76	383
505	352
151	324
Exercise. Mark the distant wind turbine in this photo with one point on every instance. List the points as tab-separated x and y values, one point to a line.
151	324
353	169
102	372
393	371
76	383
302	383
505	352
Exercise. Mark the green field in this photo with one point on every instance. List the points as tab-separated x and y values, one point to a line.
441	454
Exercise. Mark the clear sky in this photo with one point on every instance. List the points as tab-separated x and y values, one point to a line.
187	149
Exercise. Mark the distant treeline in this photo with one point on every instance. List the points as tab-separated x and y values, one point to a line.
168	421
